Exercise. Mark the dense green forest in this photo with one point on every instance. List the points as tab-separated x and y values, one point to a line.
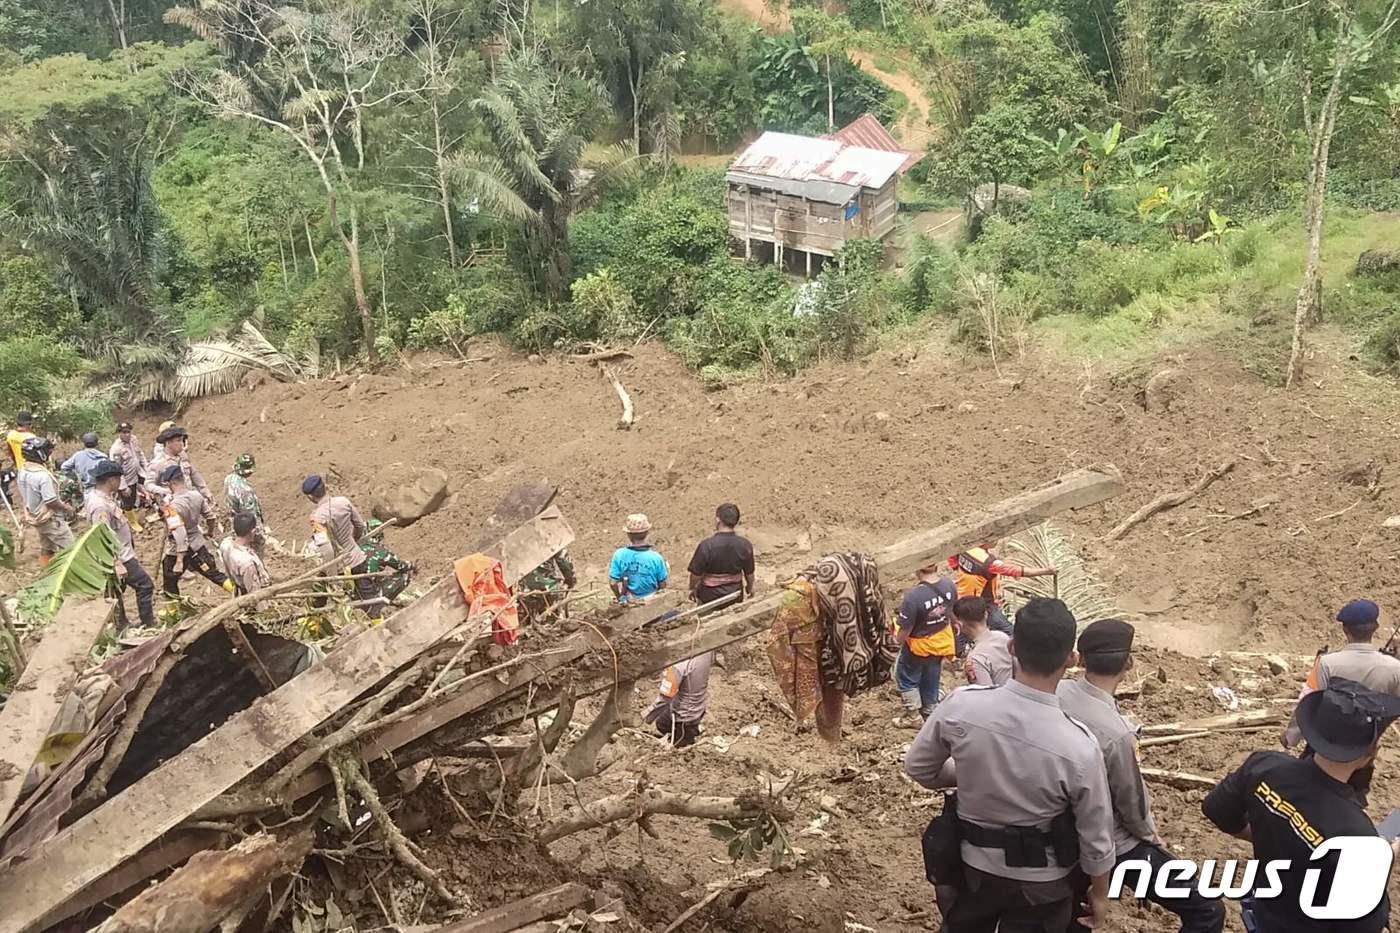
190	189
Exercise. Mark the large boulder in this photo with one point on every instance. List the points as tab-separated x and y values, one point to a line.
421	496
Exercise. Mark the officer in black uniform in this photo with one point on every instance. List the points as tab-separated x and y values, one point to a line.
1288	807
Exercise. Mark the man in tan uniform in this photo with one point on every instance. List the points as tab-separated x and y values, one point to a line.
126	452
1358	660
1032	795
337	528
1105	650
185	546
173	443
241	561
103	507
44	509
989	663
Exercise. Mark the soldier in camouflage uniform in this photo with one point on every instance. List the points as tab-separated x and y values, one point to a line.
378	558
544	587
240	497
70	490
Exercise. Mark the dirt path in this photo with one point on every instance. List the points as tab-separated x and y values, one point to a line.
913	128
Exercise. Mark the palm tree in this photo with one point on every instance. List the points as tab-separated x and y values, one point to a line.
87	206
539	120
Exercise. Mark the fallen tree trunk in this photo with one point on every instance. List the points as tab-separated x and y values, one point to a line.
1256	717
46	681
212	886
633	806
119	829
552	903
628	414
1168	501
1181	780
493	706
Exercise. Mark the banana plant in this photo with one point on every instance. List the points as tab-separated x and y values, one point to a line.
1099	151
82	569
1219	225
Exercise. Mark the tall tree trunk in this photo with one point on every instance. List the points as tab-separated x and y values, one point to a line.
634	83
1310	289
357	279
118	21
830	99
311	246
444	188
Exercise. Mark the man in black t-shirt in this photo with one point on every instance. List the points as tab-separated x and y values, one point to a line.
1289	807
723	562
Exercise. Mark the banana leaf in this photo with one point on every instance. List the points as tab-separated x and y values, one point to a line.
84	569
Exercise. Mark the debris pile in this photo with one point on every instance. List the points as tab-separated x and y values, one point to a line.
219	758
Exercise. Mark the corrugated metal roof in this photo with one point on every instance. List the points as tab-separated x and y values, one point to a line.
819	164
868	132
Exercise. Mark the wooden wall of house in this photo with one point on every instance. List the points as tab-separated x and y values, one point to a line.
812	226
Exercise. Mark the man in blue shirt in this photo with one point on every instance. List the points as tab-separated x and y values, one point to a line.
82	463
637	571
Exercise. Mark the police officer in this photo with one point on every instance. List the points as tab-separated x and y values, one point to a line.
1032	795
1358	660
1106	652
1287	807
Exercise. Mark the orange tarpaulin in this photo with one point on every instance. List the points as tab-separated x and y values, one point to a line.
483	584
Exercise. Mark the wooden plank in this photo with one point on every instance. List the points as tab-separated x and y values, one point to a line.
52	670
552	903
172	849
139	815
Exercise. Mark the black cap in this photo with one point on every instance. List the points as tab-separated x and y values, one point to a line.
312	484
1343	721
170	433
124	427
106	468
24	419
171	473
1106	636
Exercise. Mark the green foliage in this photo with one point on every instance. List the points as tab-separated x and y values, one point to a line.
33	371
792	85
746	837
82	569
31	303
7	550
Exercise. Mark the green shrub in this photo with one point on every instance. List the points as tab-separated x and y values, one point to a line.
31	303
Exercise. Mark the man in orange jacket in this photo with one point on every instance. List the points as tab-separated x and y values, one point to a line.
978	572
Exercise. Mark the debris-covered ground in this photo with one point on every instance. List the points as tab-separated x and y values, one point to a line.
843	457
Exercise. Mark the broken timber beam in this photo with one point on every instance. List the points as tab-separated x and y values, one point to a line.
212	886
127	823
552	903
48	678
1076	490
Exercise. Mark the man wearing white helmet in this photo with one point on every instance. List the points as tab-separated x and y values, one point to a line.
637	570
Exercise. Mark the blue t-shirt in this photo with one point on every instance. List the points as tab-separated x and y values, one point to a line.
83	463
644	569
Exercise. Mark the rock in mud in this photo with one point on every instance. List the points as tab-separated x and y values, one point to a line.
1276	664
423	495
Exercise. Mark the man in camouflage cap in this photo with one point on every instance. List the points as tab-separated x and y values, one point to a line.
239	496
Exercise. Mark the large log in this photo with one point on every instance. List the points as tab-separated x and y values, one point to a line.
1076	490
212	886
138	816
47	680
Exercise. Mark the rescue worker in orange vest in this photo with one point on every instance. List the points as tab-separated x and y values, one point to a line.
978	572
